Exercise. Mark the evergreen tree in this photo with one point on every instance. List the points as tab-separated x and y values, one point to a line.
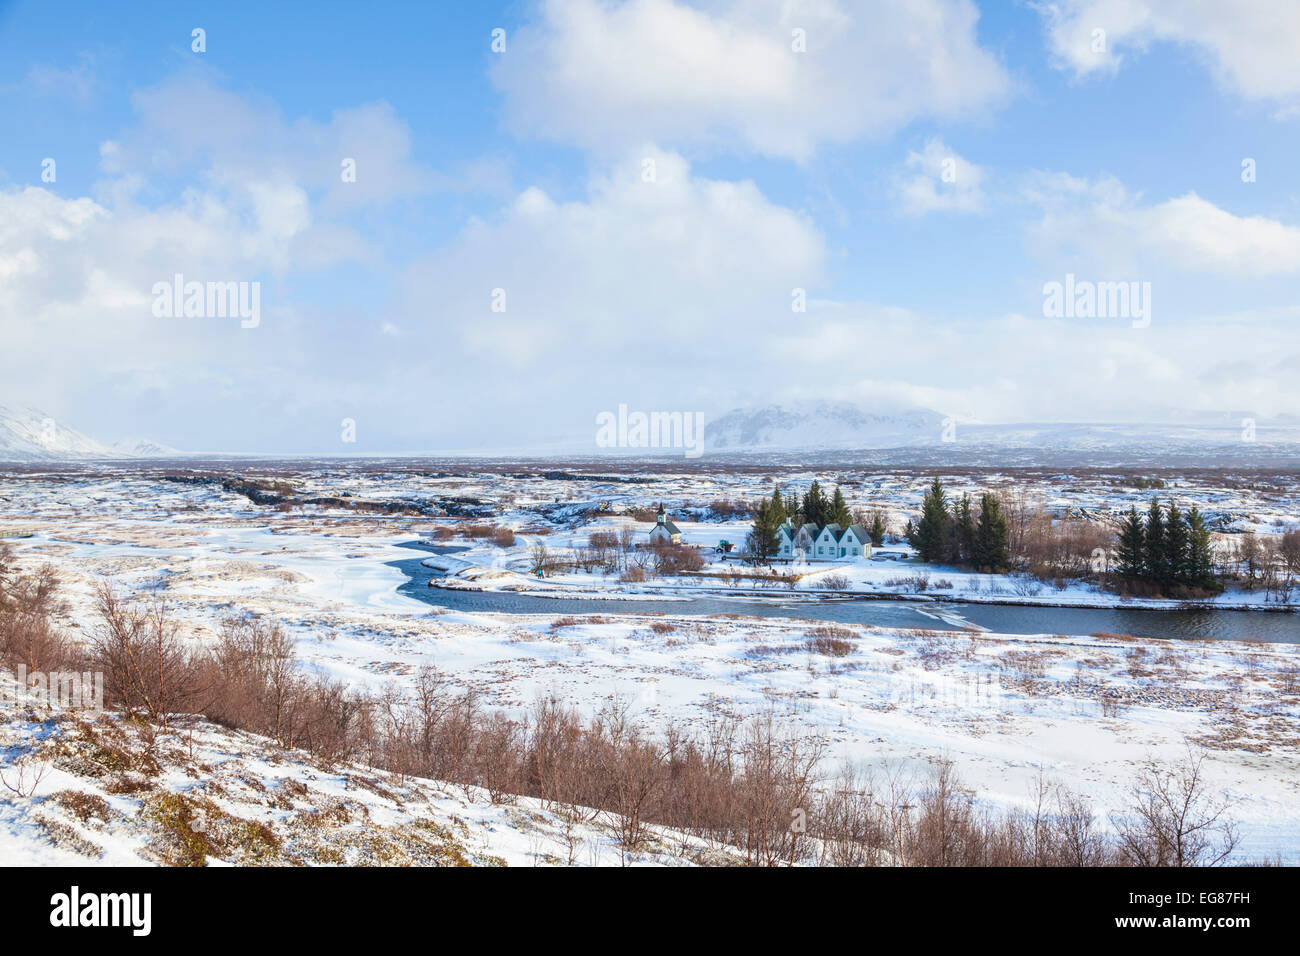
991	544
839	510
1176	546
1131	552
777	504
1153	554
763	542
928	537
961	547
877	530
1200	558
816	509
909	533
792	509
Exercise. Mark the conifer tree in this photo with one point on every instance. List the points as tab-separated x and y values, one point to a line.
1200	558
839	510
992	536
792	509
1176	546
1131	552
777	505
816	509
763	542
1153	555
961	547
877	530
928	537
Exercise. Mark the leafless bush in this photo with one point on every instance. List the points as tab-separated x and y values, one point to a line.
147	667
24	775
542	561
28	600
830	646
672	558
914	583
1172	820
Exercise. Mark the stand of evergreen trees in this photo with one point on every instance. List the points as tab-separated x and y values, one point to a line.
952	533
1167	549
815	507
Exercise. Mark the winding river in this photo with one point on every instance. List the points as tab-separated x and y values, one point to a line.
955	615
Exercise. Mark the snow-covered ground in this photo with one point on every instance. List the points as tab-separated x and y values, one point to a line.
97	790
1086	711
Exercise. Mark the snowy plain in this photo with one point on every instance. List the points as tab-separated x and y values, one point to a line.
1080	709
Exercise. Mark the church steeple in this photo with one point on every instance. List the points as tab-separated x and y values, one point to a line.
660	514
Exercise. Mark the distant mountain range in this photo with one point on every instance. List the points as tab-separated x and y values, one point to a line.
820	425
29	435
819	431
924	434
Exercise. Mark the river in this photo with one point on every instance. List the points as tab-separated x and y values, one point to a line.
947	615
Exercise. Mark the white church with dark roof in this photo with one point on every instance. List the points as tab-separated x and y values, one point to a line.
664	530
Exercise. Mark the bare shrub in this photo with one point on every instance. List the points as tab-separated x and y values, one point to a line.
672	558
28	600
147	667
830	646
24	775
1172	820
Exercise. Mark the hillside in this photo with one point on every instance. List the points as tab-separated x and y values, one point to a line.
107	791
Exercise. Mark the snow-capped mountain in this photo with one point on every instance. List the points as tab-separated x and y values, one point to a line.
912	431
820	425
143	448
28	434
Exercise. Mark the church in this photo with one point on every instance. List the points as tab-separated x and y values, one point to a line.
664	530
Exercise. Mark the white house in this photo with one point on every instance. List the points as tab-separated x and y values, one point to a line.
795	544
664	530
784	541
827	544
823	544
855	542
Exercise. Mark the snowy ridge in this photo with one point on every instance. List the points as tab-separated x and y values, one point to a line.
828	426
820	425
29	434
209	795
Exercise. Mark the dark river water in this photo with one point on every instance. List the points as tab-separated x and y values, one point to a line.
1005	619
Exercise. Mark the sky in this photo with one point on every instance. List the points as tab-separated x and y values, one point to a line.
480	226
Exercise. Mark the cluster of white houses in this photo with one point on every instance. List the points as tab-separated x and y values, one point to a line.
807	543
829	543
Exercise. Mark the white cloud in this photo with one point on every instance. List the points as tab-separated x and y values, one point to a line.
1197	234
638	269
76	83
1254	50
1018	368
724	74
939	180
1113	229
243	140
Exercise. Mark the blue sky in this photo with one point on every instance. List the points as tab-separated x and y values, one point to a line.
776	169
